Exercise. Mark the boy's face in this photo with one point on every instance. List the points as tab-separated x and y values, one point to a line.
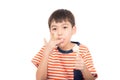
62	30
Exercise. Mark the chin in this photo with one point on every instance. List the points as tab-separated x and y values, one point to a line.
61	45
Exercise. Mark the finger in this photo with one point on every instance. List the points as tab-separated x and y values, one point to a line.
79	58
59	41
45	41
79	65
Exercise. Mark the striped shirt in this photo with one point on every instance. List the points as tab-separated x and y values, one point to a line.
61	63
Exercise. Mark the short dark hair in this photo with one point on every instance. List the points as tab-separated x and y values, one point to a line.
61	15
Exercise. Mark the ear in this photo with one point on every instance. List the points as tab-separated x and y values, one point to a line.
74	30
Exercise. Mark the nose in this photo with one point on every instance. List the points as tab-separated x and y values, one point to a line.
60	32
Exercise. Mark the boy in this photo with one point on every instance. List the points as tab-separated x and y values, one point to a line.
60	58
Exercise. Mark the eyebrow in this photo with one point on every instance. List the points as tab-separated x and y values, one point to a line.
53	26
61	24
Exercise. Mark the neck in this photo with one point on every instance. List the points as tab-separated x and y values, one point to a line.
68	46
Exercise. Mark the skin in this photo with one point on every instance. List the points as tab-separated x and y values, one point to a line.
61	34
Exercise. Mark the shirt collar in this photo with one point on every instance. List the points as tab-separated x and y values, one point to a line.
67	51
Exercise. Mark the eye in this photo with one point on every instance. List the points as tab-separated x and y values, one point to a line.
54	29
65	27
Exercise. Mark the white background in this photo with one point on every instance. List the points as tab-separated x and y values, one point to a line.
23	25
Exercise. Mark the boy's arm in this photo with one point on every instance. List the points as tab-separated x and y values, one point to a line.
87	74
38	60
80	65
41	73
86	64
89	71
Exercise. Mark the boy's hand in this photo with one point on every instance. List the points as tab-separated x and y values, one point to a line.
80	65
53	43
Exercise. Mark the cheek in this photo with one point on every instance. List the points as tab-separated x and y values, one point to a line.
53	35
52	32
67	33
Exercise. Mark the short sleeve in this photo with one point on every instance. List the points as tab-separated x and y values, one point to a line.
85	53
37	58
